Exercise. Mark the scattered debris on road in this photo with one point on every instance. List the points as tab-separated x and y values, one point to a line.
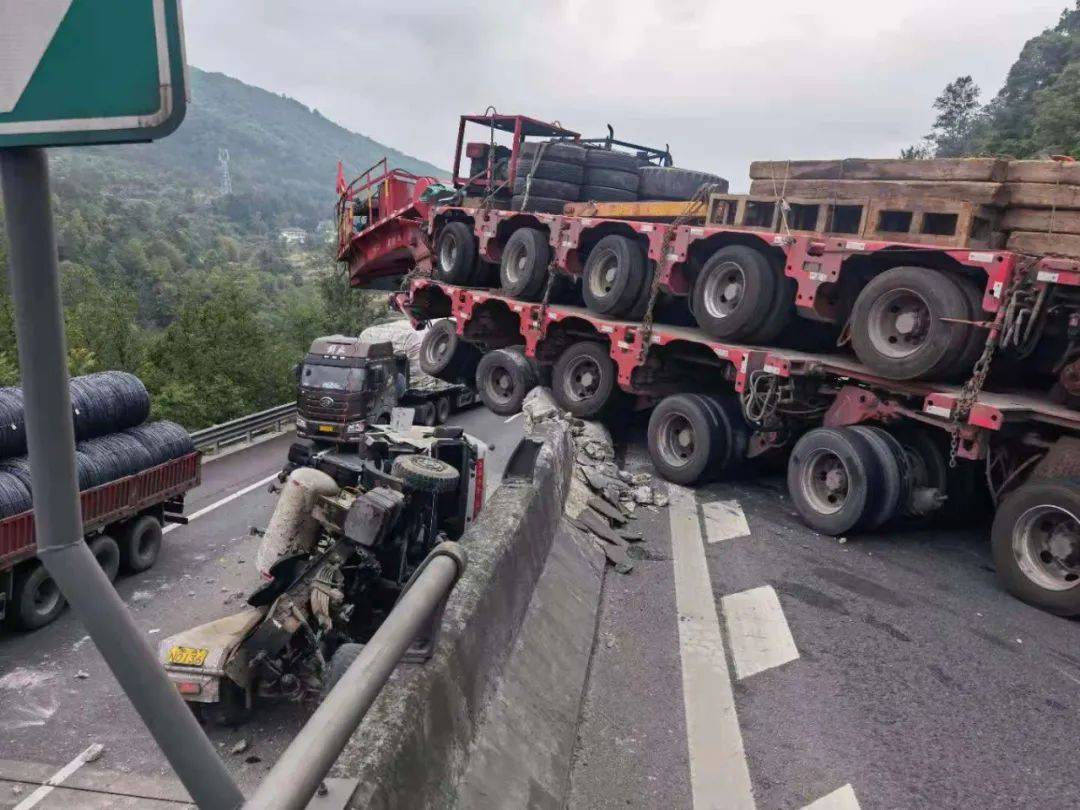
240	747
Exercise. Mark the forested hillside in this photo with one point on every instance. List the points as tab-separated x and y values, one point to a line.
193	289
1036	113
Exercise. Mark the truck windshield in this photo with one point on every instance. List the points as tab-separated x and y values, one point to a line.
336	378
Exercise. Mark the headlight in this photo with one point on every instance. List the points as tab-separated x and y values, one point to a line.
301	424
356	427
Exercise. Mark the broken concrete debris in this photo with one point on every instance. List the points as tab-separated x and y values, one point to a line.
602	497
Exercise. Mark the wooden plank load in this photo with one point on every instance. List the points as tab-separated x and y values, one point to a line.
1043	217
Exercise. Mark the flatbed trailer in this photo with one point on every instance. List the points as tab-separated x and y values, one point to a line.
122	522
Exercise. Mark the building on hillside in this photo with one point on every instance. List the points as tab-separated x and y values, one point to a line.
293	236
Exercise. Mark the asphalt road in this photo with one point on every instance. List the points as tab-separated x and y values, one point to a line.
918	682
56	694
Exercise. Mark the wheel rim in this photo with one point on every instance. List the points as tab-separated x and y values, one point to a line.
516	264
46	597
448	252
724	290
438	349
604	273
583	378
500	385
824	482
1046	545
676	440
898	323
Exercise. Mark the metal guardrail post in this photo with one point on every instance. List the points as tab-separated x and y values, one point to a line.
51	439
245	427
295	777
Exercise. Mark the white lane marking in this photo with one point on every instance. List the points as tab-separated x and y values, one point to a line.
757	631
840	799
512	418
89	755
719	775
227	499
724	520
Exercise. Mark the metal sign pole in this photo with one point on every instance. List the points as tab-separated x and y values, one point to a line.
51	439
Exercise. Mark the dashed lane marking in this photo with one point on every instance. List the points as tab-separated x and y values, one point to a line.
719	775
724	520
89	755
757	631
218	504
508	420
840	799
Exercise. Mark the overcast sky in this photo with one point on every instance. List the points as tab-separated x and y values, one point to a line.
723	83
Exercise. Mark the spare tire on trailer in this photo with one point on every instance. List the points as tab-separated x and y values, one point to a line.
555	150
503	378
583	381
424	473
542	205
614	179
670	183
551	169
455	253
612	161
12	423
14	496
556	189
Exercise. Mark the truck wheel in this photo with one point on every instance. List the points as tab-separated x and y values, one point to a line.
524	268
424	414
439	349
896	476
36	598
735	432
456	253
1036	544
734	292
442	410
976	338
898	325
928	466
503	378
835	480
140	543
424	473
613	275
340	662
107	552
685	439
782	309
583	381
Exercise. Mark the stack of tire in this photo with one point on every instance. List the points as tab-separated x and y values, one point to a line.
109	412
674	184
610	176
552	172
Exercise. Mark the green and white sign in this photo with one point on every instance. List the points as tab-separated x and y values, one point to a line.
90	71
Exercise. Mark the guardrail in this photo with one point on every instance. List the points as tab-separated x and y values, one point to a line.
245	428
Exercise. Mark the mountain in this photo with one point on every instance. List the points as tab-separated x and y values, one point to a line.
282	156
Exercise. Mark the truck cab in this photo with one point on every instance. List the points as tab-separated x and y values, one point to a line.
344	385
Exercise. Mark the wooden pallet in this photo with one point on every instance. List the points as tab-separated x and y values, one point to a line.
804	214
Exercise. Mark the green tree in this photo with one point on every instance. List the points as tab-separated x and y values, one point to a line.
1057	113
959	116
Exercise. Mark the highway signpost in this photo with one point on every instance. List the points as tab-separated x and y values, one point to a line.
76	72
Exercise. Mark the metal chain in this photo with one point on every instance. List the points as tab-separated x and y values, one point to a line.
969	392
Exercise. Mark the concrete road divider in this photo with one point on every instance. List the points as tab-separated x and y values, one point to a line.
490	719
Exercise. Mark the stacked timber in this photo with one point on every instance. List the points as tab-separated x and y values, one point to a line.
1030	206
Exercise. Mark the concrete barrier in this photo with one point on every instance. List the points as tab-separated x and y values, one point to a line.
428	738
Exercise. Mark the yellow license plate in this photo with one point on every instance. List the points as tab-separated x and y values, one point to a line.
326	428
188	656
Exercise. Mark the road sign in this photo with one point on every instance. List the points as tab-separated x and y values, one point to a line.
90	71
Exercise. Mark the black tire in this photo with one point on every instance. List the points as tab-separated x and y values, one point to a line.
670	183
595	193
550	169
140	543
424	473
442	410
912	293
976	337
36	598
782	310
613	276
542	205
455	253
848	478
641	303
503	378
340	661
1028	566
926	460
614	161
442	351
424	414
731	461
685	439
554	150
583	381
107	552
613	179
895	475
556	189
524	268
734	292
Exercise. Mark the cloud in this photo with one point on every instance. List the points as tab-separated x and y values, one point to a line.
723	83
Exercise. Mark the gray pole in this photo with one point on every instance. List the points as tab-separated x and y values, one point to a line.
51	438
